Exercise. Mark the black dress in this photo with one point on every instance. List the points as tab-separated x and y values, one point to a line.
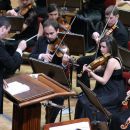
110	95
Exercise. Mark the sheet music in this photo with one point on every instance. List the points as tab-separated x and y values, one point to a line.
74	126
16	88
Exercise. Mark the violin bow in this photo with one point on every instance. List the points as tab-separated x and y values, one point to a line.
104	29
64	37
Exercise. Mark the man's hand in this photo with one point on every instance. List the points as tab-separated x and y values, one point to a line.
46	57
65	59
96	37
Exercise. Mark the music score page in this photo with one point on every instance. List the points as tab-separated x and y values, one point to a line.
16	88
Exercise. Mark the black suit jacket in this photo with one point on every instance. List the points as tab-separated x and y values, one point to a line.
121	35
7	62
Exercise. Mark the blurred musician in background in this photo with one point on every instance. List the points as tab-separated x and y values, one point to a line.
91	13
44	50
28	10
4	6
8	62
54	14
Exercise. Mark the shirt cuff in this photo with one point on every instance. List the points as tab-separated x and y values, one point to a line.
19	51
64	66
40	57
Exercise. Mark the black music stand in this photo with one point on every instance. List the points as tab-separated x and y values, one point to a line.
124	55
95	101
123	16
59	3
16	23
75	43
55	72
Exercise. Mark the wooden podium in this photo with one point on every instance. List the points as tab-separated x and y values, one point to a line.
27	106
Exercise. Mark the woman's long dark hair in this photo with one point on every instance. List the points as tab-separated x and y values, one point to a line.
111	44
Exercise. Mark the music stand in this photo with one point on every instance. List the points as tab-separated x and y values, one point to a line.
94	100
124	55
53	71
59	3
16	23
123	16
75	43
71	4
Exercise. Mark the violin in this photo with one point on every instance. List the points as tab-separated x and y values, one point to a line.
57	48
99	61
108	32
125	103
64	26
25	8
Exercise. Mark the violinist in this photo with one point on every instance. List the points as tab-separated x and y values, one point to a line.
110	87
53	13
28	10
114	27
46	49
119	32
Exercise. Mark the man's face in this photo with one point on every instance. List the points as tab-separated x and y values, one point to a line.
4	31
50	32
112	19
53	15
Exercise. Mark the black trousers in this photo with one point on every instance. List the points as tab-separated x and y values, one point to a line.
1	99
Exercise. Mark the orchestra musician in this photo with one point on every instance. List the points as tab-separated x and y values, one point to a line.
4	6
28	10
8	62
53	13
115	28
46	49
110	87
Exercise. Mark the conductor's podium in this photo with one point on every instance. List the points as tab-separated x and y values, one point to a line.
26	105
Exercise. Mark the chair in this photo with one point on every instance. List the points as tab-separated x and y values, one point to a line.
124	55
